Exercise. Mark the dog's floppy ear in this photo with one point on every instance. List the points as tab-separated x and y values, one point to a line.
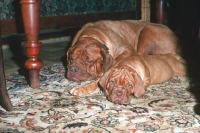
139	86
108	60
103	79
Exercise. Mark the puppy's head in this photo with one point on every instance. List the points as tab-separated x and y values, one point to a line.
88	59
119	83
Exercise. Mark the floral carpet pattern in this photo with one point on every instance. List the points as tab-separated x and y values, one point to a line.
165	108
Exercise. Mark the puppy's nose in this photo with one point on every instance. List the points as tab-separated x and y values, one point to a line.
119	93
74	69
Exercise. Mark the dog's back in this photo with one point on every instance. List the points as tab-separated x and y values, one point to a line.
113	34
164	67
176	62
157	68
143	37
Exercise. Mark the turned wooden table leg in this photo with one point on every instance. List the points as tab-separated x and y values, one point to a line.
160	11
31	16
4	97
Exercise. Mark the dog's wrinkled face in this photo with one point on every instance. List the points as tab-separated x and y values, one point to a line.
86	60
119	86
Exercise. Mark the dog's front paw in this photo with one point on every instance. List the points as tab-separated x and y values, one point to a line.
79	91
85	89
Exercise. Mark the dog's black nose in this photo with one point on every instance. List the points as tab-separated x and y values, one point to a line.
74	69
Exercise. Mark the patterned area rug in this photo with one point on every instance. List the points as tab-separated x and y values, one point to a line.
165	108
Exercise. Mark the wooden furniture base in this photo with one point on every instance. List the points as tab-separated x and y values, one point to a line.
31	15
4	97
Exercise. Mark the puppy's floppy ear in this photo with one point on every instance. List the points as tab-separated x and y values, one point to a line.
108	60
103	79
139	85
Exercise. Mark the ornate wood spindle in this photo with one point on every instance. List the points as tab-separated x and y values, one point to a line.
31	16
160	10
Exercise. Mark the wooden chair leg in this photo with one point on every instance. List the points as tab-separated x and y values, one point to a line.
160	11
4	97
31	16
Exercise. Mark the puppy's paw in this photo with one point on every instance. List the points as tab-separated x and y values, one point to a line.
79	91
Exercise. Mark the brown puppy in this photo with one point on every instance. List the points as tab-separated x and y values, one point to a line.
134	74
97	45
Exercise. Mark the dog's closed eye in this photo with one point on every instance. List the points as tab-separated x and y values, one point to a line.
71	59
88	60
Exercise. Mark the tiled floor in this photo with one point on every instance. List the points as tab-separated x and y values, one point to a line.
51	51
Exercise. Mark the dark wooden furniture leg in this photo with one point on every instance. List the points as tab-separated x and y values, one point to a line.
31	16
160	11
4	97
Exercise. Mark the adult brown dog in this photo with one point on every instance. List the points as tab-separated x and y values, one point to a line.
97	45
134	74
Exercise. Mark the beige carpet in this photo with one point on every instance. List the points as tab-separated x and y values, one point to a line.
165	108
